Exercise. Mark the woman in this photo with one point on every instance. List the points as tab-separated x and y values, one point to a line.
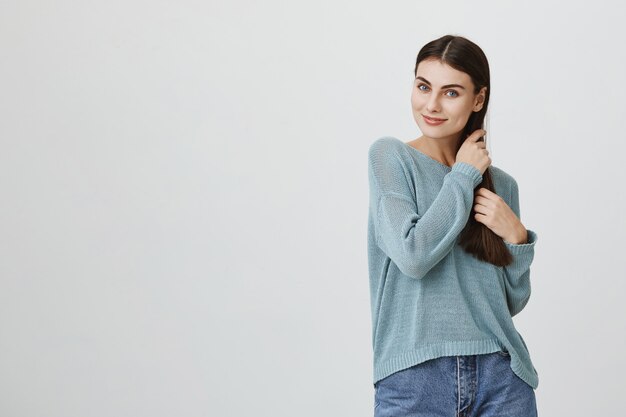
449	259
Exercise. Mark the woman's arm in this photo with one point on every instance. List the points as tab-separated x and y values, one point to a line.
517	274
416	242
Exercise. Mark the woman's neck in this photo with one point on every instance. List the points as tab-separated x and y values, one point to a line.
441	149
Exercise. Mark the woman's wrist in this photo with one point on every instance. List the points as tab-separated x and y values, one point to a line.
519	237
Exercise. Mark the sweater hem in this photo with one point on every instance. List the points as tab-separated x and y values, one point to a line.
469	170
522	248
436	350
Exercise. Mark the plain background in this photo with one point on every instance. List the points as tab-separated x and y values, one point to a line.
184	197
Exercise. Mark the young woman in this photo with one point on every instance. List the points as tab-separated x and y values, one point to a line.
449	258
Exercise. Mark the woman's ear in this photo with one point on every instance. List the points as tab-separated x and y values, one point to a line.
480	99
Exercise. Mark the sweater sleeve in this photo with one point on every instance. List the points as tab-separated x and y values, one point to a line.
517	274
417	242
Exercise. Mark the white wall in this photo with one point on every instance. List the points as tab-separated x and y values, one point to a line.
184	197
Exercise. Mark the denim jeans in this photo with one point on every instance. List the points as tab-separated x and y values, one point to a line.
456	386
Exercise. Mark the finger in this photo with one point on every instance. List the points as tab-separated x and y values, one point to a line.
481	218
486	192
483	201
480	191
479	208
477	134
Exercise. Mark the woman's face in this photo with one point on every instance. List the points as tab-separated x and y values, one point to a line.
443	92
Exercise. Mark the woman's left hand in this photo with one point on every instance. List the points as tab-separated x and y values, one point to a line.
491	210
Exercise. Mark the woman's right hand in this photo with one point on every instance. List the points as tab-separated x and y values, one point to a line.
473	151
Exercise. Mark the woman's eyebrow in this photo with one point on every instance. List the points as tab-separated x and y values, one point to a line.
444	86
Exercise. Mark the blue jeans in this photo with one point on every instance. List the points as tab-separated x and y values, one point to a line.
456	386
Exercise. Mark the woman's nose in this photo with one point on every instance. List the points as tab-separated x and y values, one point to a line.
433	105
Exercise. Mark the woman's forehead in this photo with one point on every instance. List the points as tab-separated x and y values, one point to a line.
439	73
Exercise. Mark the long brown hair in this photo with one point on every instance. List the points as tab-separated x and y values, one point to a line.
464	55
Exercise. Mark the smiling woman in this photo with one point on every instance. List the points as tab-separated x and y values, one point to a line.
444	284
434	102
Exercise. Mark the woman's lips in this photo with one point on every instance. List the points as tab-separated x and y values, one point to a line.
433	121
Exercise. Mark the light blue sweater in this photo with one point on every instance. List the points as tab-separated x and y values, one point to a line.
430	298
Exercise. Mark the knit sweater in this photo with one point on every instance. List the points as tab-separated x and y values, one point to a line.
430	298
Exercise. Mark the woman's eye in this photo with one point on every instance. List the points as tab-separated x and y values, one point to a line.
449	93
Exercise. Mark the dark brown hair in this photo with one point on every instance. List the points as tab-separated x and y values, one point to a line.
464	55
